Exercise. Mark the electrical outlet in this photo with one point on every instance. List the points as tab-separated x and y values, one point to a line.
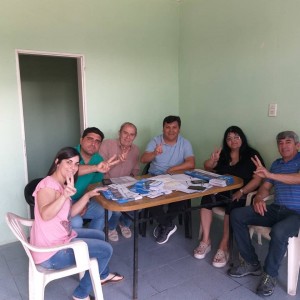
272	110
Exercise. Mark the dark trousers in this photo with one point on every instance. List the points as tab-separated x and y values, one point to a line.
223	200
160	215
284	223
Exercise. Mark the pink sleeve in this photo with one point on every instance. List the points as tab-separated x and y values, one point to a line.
47	182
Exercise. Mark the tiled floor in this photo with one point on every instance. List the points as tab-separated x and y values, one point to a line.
166	272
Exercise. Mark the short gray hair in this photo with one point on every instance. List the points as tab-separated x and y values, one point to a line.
287	134
128	124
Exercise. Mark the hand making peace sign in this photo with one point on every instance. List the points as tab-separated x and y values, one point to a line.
69	188
215	156
261	171
105	166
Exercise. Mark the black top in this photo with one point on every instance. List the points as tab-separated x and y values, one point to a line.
243	169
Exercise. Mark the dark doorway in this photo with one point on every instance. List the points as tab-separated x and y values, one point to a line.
50	100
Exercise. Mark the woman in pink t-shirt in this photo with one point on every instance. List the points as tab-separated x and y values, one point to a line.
53	210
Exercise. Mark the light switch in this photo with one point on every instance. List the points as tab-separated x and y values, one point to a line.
272	110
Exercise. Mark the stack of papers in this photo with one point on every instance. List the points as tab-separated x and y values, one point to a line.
149	187
180	182
120	193
125	180
222	181
212	178
127	188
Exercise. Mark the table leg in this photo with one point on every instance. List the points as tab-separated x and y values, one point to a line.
135	255
188	219
106	224
233	250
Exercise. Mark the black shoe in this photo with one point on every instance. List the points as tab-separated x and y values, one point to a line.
165	233
245	269
157	230
266	286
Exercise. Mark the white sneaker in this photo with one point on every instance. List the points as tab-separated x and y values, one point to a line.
126	232
113	235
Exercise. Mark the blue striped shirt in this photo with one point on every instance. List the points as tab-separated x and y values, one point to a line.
286	194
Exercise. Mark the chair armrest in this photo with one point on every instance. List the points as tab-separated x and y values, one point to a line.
26	222
81	253
269	198
250	197
73	245
80	249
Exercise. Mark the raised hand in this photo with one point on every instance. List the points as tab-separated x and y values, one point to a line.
215	156
105	166
112	161
261	171
69	188
158	149
122	157
256	161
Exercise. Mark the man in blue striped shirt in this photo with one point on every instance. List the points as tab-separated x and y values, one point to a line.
283	215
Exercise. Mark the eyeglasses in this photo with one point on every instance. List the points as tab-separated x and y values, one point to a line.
92	140
233	138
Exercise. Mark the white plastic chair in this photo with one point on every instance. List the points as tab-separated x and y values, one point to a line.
39	277
293	264
219	211
261	231
293	252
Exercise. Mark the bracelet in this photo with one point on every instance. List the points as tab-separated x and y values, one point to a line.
242	191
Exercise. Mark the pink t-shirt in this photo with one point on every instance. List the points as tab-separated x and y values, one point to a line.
53	232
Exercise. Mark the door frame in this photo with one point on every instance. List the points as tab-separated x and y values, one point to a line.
81	92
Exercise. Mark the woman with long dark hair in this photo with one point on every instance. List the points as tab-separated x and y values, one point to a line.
53	210
233	158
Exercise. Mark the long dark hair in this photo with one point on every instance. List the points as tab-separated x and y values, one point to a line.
244	149
64	153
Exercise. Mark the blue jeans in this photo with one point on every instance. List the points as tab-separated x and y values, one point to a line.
284	223
94	212
98	249
117	217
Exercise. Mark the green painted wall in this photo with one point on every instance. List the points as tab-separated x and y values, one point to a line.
236	57
131	56
216	62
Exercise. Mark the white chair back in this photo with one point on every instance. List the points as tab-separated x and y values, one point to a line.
39	277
